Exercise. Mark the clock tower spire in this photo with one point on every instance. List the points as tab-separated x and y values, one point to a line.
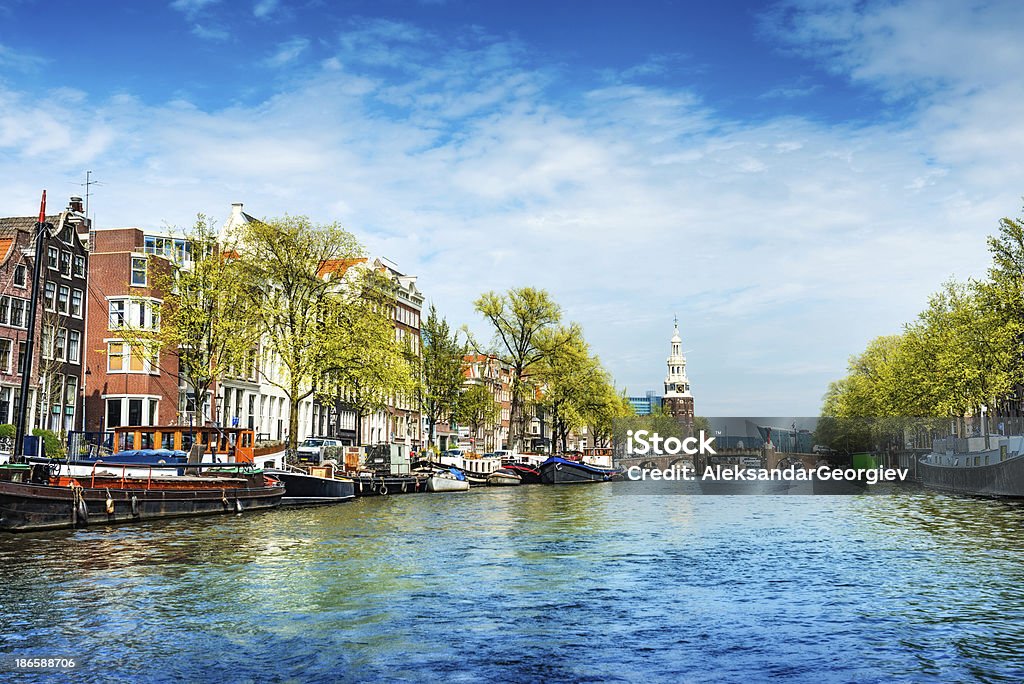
678	401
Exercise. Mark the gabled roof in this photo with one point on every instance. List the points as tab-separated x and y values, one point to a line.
338	267
12	224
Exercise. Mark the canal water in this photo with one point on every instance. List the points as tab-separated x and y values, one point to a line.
534	583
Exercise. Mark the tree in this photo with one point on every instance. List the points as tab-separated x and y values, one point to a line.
291	274
519	319
477	409
364	364
1003	292
442	375
205	321
612	409
575	386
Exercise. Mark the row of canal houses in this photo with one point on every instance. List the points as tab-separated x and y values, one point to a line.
85	378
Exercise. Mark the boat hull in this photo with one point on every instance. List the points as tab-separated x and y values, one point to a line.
27	507
1003	479
561	471
302	489
504	479
383	486
439	483
527	474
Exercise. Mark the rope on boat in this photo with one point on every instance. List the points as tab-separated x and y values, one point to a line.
79	509
110	504
383	489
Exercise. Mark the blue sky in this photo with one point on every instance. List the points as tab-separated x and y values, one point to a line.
790	178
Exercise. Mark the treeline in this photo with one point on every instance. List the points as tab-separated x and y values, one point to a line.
299	306
964	351
551	371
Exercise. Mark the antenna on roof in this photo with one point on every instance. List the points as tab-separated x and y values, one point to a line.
88	182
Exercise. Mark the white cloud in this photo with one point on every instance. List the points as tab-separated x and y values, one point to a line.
783	244
207	32
190	8
19	61
287	52
264	8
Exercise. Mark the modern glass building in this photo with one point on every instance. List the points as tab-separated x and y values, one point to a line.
645	405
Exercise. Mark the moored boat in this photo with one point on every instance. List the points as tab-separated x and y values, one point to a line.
373	484
966	466
37	497
452	480
312	486
558	470
528	474
503	477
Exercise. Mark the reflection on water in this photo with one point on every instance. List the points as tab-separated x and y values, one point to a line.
536	583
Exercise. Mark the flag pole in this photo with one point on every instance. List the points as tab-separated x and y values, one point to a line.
30	338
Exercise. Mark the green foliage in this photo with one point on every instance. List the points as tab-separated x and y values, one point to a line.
8	431
291	272
51	442
205	321
442	370
520	319
477	409
964	351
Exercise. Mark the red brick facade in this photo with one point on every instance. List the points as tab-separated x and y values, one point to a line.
122	386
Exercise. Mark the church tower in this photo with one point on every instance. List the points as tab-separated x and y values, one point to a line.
678	401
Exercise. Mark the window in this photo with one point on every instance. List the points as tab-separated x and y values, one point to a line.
21	358
126	358
65	264
47	342
50	296
115	358
19	275
136	312
113	413
135	412
18	313
139	271
71	393
63	296
5	306
136	362
76	303
60	344
74	346
79	268
117	307
51	257
5	358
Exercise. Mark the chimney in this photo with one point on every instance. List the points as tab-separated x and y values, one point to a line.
75	205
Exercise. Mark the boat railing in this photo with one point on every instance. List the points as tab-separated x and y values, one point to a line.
241	465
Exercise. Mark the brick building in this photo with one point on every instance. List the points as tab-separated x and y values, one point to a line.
56	382
125	385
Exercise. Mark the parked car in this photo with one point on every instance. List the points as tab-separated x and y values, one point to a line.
821	449
312	450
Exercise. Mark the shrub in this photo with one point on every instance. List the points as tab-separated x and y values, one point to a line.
51	442
8	431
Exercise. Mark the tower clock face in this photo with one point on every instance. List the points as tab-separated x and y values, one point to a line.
680	387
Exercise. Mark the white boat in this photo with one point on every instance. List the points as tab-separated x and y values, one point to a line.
504	478
447	481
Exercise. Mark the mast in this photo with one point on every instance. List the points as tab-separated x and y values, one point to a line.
30	338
